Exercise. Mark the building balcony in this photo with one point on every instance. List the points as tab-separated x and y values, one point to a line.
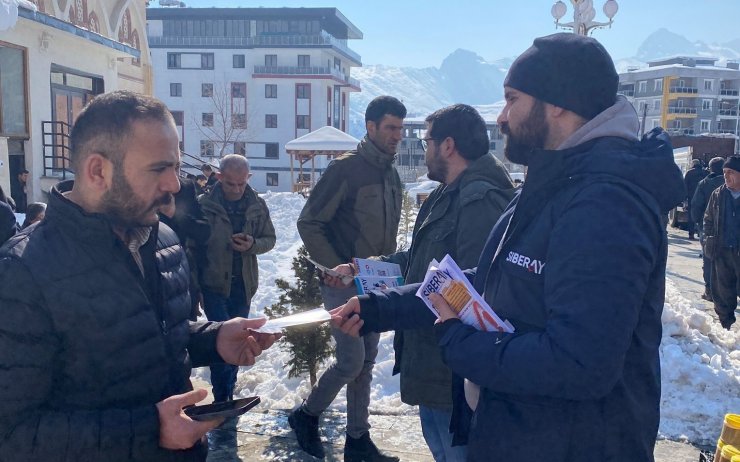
681	110
258	41
729	92
680	131
685	90
728	112
726	131
629	93
302	71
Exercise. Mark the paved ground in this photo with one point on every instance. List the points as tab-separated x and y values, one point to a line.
266	435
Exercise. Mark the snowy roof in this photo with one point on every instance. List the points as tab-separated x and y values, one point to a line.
324	139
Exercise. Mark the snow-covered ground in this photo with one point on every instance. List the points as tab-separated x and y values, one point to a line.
700	360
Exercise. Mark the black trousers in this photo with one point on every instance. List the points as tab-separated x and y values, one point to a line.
726	284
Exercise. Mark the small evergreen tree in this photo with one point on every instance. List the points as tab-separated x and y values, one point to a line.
408	217
309	345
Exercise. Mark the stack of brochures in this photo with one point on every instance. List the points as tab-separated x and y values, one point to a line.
376	274
448	280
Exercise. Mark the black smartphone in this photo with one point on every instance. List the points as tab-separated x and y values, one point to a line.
222	410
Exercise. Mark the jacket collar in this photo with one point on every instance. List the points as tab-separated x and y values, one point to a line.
370	152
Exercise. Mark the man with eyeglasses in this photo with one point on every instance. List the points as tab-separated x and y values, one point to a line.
455	219
353	211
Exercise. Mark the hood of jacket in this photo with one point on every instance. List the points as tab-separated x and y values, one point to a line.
608	145
486	168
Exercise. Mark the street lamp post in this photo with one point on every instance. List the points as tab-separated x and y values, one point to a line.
583	15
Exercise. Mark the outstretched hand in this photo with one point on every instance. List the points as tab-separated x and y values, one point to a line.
345	269
238	344
347	317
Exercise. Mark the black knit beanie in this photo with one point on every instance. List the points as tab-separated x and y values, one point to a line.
733	162
569	71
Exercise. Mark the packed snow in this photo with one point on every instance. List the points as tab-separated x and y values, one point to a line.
700	360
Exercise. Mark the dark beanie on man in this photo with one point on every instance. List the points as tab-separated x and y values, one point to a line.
569	71
715	165
733	162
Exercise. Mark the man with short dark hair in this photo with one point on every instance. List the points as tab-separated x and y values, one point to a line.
722	242
577	265
241	229
353	211
95	342
698	206
19	191
208	172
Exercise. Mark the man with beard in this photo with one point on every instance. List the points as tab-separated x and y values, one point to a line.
241	229
576	263
455	219
95	343
353	211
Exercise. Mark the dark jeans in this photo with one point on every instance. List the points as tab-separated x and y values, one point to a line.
726	284
220	308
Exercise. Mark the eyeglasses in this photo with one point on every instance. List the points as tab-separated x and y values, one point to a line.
425	142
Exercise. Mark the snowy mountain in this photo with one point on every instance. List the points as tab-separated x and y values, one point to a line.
465	77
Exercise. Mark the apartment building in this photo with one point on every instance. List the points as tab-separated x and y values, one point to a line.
685	95
248	80
56	57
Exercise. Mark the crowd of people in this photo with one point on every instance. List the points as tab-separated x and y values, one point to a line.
101	299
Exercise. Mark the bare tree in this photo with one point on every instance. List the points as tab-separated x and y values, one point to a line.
225	120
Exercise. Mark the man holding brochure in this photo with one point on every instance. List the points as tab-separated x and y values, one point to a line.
577	265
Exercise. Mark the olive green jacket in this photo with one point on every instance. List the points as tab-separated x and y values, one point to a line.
217	271
456	220
354	209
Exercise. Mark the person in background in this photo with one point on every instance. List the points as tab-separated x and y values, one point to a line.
692	178
200	184
35	212
95	344
8	223
241	229
704	189
19	191
576	263
353	211
722	242
211	176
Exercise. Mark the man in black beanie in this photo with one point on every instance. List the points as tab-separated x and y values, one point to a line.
576	263
698	205
722	242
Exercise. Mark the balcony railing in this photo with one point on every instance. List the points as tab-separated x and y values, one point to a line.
728	112
729	92
684	90
295	70
681	110
680	131
626	92
257	41
726	131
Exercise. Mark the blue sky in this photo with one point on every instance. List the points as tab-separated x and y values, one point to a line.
422	33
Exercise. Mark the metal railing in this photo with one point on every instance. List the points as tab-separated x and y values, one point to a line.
296	70
726	92
55	146
681	110
626	92
728	112
322	39
684	90
680	131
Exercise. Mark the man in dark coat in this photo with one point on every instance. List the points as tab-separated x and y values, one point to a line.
692	178
95	344
698	206
576	263
722	242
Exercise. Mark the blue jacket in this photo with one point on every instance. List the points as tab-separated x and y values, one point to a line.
580	274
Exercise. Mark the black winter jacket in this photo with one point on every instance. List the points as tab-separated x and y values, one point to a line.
88	346
701	196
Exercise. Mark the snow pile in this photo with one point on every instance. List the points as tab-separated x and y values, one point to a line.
700	360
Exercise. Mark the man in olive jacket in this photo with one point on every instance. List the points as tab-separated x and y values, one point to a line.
353	211
95	344
241	229
456	220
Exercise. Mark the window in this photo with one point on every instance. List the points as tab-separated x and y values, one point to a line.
239	120
656	123
206	148
270	60
303	91
175	89
238	61
13	94
207	119
270	120
173	61
179	116
641	108
656	104
271	150
206	60
705	125
708	84
271	179
238	90
658	85
642	87
304	60
302	121
271	90
240	147
206	90
706	105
